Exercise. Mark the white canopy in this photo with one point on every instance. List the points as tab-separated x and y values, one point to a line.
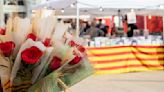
56	4
119	4
111	7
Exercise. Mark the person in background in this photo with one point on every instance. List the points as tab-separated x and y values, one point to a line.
125	26
100	25
73	24
113	30
93	31
87	26
105	30
84	28
131	28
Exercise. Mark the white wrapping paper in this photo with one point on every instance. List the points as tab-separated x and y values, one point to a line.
17	62
44	60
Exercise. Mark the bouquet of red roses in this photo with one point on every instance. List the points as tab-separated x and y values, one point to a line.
41	58
65	72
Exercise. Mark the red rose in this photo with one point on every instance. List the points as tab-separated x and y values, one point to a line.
76	60
31	55
2	31
81	48
32	36
72	43
7	48
55	63
47	42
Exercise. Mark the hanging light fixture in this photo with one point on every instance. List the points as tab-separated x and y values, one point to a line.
62	10
72	5
101	9
132	10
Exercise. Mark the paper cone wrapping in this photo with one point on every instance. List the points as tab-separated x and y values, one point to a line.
21	29
83	70
68	35
60	29
18	58
47	26
79	41
9	28
36	25
44	60
17	62
60	50
5	70
19	82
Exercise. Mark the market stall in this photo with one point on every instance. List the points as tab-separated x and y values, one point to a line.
119	55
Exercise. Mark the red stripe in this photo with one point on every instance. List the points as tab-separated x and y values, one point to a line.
112	47
125	60
121	53
130	66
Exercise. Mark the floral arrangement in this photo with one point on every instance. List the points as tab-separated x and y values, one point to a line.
38	55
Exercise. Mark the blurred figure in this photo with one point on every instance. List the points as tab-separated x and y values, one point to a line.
100	25
113	30
93	31
87	26
136	32
73	24
105	30
84	28
132	27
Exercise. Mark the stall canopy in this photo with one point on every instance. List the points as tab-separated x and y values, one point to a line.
110	7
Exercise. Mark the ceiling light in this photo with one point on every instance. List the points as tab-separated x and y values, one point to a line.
62	10
132	10
72	5
101	9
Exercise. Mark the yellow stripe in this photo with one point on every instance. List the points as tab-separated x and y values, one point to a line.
148	49
124	70
109	65
113	64
108	51
124	56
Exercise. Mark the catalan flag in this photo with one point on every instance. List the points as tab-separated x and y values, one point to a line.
122	59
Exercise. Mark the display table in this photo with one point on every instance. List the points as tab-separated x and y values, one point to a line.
122	59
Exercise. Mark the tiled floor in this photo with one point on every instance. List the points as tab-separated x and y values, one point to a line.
130	82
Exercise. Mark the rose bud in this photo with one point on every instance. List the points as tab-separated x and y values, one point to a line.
55	63
72	43
2	31
32	36
31	55
76	60
81	48
47	42
7	48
